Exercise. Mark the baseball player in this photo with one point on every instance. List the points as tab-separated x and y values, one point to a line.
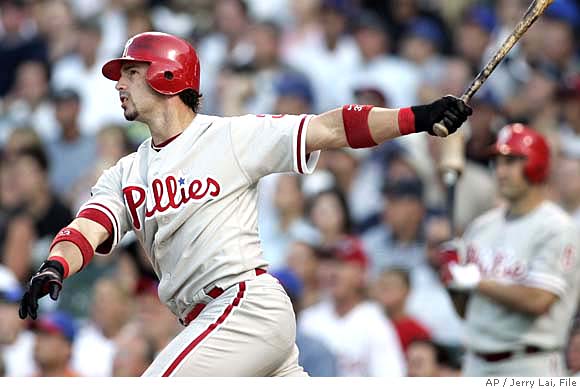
520	262
189	193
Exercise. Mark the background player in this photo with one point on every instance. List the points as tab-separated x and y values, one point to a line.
189	193
521	264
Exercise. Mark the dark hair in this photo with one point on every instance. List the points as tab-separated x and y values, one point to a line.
37	154
347	226
191	98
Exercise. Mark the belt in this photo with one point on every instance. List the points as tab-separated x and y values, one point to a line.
214	293
496	357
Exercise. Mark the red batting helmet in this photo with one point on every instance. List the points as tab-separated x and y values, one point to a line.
174	66
520	140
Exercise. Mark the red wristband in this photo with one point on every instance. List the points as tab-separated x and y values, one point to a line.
406	119
63	262
68	234
356	125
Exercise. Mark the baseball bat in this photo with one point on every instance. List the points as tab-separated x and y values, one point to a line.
536	8
451	164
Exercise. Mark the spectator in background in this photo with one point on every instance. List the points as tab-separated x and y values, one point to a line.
288	223
27	103
328	55
535	101
55	334
19	139
56	24
111	143
569	131
429	300
395	77
567	184
227	44
422	359
138	21
152	317
329	214
316	359
355	330
305	28
16	342
19	42
81	71
134	353
421	44
474	35
293	94
282	199
391	290
558	40
40	217
348	168
73	153
252	87
302	260
483	124
95	346
398	240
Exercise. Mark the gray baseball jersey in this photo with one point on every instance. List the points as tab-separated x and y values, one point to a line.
192	203
540	250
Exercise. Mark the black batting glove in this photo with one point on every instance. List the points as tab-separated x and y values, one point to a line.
47	280
449	110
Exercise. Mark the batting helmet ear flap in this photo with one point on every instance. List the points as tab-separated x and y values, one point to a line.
165	77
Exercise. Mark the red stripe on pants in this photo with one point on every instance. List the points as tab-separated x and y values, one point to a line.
208	330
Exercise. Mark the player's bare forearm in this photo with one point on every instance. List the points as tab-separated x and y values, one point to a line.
530	300
95	234
362	126
326	131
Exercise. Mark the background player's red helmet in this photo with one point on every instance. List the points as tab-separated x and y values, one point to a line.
520	140
174	63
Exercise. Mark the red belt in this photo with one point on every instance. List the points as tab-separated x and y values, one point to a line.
496	357
213	293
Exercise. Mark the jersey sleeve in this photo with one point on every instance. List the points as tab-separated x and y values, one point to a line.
265	144
107	207
555	266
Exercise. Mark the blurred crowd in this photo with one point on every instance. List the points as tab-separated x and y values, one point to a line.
354	244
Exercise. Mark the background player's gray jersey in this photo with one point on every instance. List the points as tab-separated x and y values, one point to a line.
539	249
193	203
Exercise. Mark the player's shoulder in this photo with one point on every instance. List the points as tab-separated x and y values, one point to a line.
488	218
554	217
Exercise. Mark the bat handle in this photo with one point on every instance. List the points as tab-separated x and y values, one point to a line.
440	130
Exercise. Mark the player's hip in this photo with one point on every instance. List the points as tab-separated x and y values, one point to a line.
249	330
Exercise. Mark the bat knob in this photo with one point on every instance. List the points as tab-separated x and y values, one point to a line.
440	130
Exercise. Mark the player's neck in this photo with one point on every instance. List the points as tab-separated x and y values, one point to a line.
527	203
173	120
